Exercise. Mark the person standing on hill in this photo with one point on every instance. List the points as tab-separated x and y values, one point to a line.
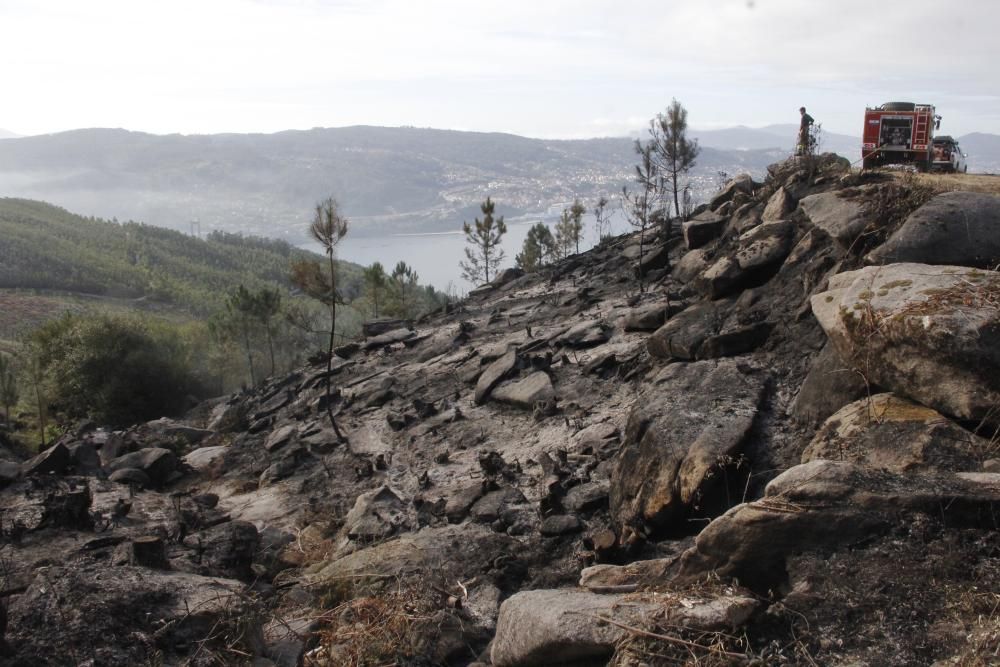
804	140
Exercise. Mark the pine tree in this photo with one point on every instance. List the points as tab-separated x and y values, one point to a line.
328	228
404	289
564	235
537	249
576	212
248	314
485	255
569	229
601	219
240	306
34	372
8	386
673	153
267	306
640	204
375	283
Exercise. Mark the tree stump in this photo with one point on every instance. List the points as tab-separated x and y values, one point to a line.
148	551
70	509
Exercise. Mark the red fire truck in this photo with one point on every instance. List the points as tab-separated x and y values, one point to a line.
899	133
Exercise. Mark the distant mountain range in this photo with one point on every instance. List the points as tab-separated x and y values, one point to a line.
983	150
7	134
388	180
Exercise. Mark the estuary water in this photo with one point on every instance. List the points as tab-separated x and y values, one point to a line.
435	256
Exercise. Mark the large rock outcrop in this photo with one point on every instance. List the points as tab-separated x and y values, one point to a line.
830	385
889	432
494	373
842	218
822	505
550	627
707	330
959	228
693	421
527	392
930	333
157	462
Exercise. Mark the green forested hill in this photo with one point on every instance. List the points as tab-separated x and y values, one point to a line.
46	247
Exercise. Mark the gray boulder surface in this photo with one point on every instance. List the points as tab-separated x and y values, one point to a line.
741	183
691	265
227	550
765	245
55	459
560	524
383	325
132	477
821	505
707	330
778	206
494	373
682	336
585	334
388	338
843	219
891	433
203	457
722	278
957	228
830	385
526	392
703	229
375	515
651	316
157	462
170	428
607	578
547	627
929	333
675	439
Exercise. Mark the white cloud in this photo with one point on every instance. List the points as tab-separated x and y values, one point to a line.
537	68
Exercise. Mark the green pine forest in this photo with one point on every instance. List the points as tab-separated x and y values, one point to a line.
216	314
48	248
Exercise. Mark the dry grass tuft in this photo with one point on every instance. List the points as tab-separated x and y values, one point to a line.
975	615
984	183
373	630
680	646
676	646
665	644
888	206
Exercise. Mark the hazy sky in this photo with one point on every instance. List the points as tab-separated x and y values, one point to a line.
541	68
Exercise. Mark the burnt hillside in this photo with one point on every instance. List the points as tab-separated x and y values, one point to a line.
780	450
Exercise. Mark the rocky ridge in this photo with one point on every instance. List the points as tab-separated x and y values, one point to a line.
781	452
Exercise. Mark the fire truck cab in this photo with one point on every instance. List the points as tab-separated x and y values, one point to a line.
899	133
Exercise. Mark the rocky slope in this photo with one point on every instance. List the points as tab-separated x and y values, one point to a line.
780	452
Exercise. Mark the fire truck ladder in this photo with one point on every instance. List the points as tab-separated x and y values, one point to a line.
922	121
